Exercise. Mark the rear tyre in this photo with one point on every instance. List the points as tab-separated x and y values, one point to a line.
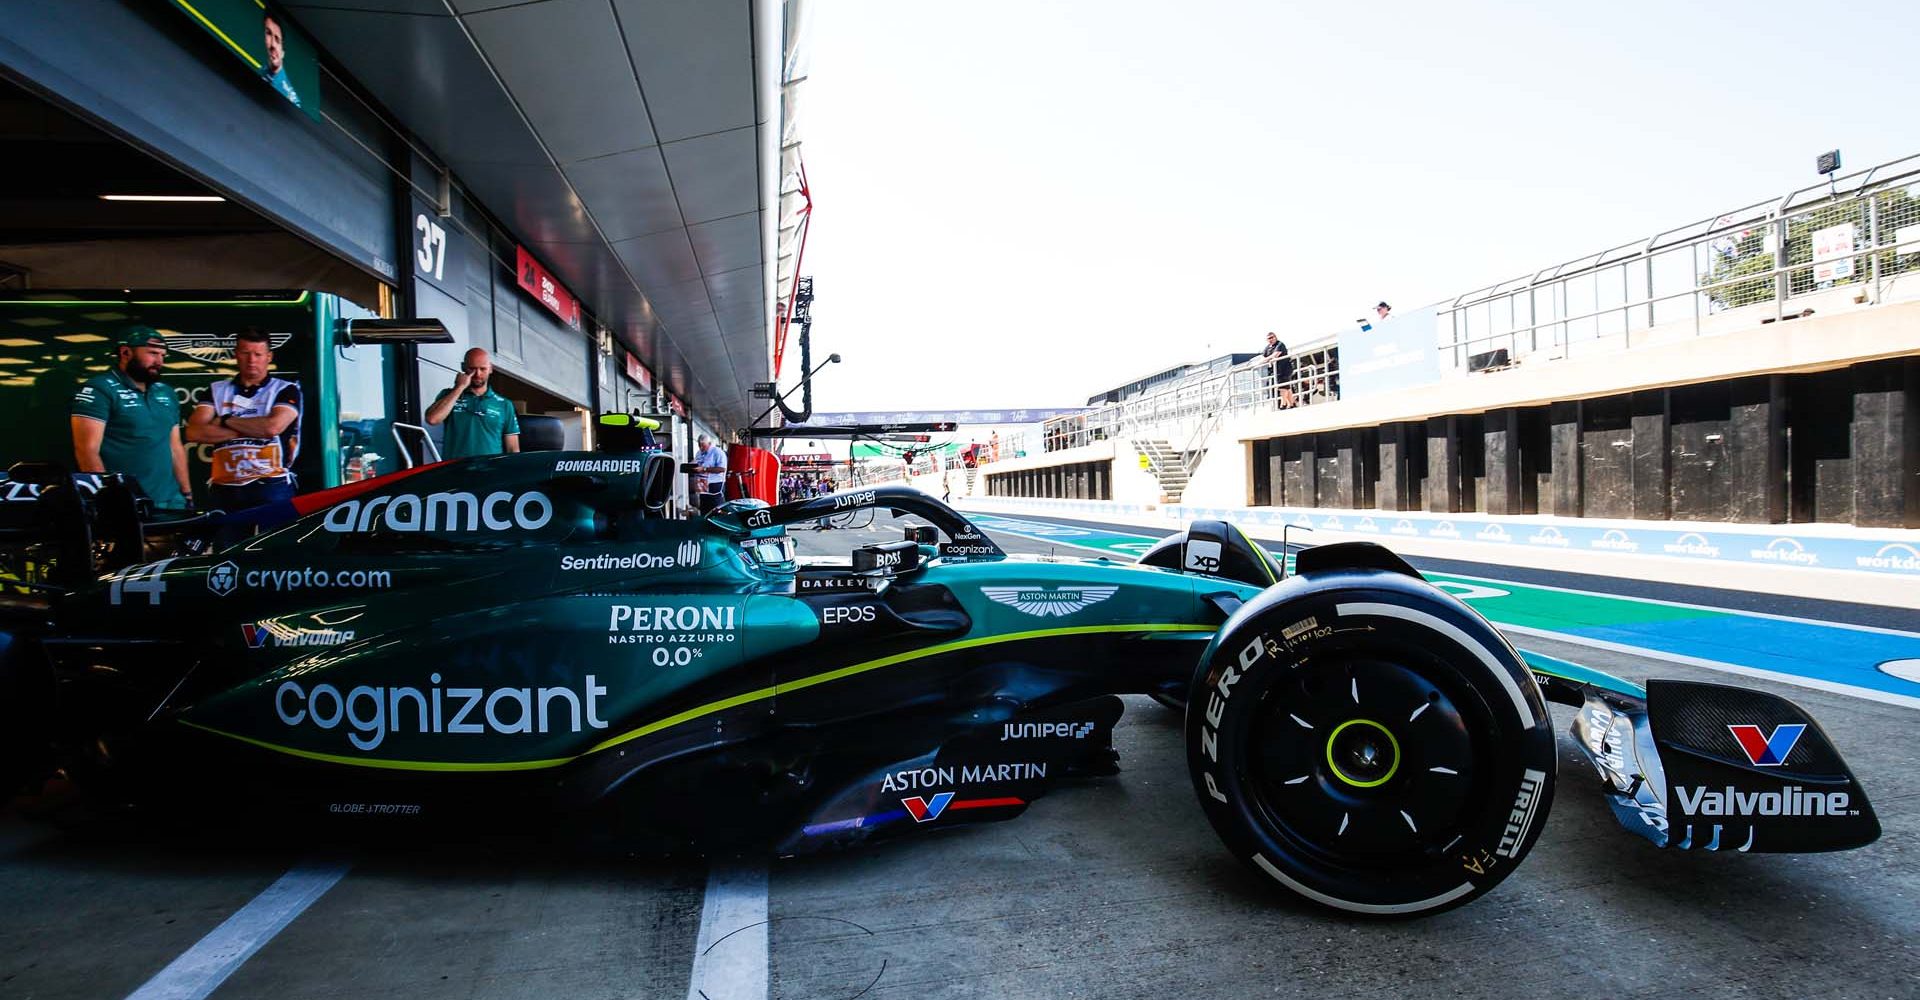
1370	743
26	698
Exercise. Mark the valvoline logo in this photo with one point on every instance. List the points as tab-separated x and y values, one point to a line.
1768	751
927	810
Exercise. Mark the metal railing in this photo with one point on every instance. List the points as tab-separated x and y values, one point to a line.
1184	408
1863	228
1853	235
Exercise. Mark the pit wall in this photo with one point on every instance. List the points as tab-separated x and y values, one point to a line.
1828	561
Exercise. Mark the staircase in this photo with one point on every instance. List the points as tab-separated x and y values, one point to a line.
1166	466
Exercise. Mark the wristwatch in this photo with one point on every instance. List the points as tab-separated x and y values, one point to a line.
223	418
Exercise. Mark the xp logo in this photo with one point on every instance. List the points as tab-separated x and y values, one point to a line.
927	810
222	579
1768	751
1203	555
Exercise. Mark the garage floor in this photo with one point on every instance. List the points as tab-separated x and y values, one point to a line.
1112	888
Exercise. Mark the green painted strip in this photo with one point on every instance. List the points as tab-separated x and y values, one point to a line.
394	765
710	708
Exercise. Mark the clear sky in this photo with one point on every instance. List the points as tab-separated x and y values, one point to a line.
1023	203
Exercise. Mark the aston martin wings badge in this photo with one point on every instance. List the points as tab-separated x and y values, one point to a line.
1044	602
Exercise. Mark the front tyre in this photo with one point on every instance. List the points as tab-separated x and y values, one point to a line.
1370	743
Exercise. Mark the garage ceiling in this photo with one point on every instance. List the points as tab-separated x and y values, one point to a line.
620	140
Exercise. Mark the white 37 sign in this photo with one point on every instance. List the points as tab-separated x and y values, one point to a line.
431	254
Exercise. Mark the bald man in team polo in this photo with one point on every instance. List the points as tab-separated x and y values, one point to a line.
479	421
252	420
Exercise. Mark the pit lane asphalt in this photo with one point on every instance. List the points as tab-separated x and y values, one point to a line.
1113	887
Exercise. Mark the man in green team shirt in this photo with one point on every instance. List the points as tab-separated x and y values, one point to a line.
479	421
126	420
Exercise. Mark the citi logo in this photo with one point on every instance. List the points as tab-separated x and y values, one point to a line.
1770	750
1493	533
925	810
1786	550
1894	555
1548	535
1693	543
1615	540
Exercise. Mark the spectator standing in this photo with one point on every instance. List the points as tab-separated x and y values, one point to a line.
709	474
1281	365
479	421
126	420
1380	311
253	422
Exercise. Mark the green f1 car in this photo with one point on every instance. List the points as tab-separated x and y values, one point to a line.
529	635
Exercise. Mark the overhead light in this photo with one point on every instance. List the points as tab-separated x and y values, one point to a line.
161	197
18	342
14	361
81	338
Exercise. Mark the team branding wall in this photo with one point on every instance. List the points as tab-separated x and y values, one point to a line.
1395	353
1775	545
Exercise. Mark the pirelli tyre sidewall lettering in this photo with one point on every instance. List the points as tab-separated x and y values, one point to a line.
1347	623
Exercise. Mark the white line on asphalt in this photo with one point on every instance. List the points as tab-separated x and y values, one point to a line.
730	952
202	968
1834	687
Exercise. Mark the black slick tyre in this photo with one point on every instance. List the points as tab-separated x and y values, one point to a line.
1370	743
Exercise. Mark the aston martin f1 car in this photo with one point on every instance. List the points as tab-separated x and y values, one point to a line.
530	635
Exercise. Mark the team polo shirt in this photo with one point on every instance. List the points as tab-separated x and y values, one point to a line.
137	441
477	425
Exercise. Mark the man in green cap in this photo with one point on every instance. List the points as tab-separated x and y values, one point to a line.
126	420
479	421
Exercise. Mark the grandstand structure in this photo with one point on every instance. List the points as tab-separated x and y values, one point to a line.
1758	367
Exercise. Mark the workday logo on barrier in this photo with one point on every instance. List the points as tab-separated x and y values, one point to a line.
1893	555
1615	540
1786	550
1692	543
1548	535
1493	532
1404	527
1332	523
1444	529
1366	524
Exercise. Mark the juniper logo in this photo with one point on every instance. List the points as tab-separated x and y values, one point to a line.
1692	543
1894	555
1548	535
1444	529
1493	533
1615	540
1786	550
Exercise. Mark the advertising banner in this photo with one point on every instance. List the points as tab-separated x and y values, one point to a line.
267	42
1833	253
537	282
1395	353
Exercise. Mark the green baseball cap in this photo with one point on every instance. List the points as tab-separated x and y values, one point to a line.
141	336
